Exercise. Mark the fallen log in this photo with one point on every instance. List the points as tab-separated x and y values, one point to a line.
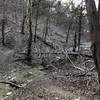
77	54
59	35
46	43
12	84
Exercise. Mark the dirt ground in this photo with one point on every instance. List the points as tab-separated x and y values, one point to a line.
61	83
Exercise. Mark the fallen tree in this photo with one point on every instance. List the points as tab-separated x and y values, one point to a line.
77	54
12	84
46	43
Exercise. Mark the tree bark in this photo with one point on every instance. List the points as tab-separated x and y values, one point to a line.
3	25
75	41
68	31
23	23
3	29
46	28
94	25
80	28
29	58
36	20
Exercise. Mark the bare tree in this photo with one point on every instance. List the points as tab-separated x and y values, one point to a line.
46	28
68	30
75	41
80	26
36	20
24	18
16	9
23	25
3	23
47	23
29	58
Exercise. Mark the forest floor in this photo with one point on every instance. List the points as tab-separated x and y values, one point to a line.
58	82
54	83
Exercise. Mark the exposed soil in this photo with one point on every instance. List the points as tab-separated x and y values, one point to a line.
61	83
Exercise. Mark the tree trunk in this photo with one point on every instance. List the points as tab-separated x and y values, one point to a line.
46	28
80	28
3	29
94	25
3	24
29	58
23	23
75	41
36	20
67	34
